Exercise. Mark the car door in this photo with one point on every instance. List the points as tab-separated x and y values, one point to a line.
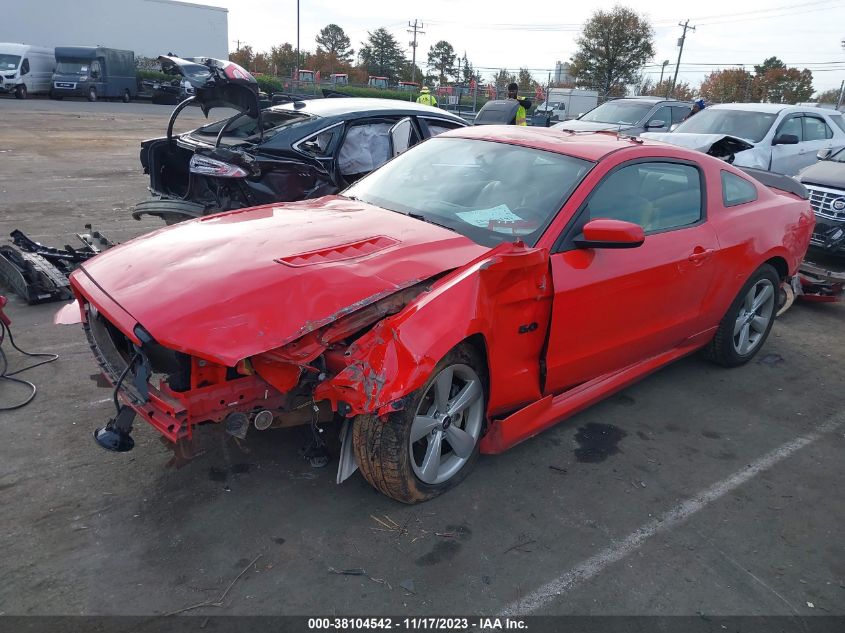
785	157
614	307
817	136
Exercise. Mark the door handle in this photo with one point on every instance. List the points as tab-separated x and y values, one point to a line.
701	254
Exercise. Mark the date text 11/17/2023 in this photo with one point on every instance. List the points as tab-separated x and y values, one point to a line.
417	624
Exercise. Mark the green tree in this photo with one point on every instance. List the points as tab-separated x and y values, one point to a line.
502	78
441	57
333	40
683	90
612	49
283	60
525	80
784	85
727	86
770	63
381	55
828	96
243	56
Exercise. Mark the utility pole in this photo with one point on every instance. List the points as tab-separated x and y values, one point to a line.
296	70
662	69
683	38
237	46
413	44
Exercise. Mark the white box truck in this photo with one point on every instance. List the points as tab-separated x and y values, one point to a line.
562	104
26	69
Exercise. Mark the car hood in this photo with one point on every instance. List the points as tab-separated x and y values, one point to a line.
714	144
590	126
219	83
827	173
232	285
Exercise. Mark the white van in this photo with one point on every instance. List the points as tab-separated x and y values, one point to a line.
26	69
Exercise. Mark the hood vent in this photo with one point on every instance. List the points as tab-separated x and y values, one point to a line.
352	250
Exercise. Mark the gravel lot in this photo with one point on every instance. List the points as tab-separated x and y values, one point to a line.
708	490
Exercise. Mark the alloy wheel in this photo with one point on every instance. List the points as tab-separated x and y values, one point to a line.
447	424
755	313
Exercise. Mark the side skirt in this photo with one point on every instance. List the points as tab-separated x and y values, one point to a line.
544	413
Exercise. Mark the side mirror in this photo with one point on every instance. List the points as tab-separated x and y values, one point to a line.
673	127
785	139
607	233
824	154
400	137
655	123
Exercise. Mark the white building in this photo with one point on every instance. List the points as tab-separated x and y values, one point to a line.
148	27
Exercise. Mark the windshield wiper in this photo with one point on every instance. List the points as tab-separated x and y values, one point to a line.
420	216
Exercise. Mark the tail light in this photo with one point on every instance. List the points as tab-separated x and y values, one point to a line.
211	167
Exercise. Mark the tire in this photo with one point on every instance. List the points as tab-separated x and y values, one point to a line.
740	335
396	466
55	97
20	92
92	94
126	96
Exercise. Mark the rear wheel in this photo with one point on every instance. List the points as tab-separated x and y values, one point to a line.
20	92
92	94
55	96
432	444
748	321
126	96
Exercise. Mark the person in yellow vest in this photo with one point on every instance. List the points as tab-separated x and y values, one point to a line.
524	105
426	98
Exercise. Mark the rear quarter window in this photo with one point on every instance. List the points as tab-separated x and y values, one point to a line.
839	121
736	190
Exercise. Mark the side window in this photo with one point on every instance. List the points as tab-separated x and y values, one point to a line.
657	196
792	125
839	120
815	129
736	190
663	114
365	147
321	144
438	126
25	66
679	113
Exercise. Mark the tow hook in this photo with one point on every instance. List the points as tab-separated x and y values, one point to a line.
115	435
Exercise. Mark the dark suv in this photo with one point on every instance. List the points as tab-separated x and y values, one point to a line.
825	180
631	115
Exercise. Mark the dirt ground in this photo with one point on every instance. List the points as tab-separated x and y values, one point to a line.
698	491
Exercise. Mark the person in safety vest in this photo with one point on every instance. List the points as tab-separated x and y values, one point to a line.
521	117
426	98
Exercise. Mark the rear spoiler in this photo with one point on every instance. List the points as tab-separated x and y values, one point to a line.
778	181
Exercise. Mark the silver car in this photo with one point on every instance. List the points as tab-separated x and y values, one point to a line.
779	138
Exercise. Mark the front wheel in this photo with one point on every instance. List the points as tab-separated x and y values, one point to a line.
20	92
748	321
432	444
126	96
92	94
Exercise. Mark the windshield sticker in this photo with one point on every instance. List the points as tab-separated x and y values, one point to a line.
10	66
483	217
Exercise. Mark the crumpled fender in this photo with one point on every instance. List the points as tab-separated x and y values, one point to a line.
504	297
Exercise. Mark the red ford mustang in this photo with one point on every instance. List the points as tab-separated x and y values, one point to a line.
472	292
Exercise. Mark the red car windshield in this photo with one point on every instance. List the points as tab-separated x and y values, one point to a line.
490	192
